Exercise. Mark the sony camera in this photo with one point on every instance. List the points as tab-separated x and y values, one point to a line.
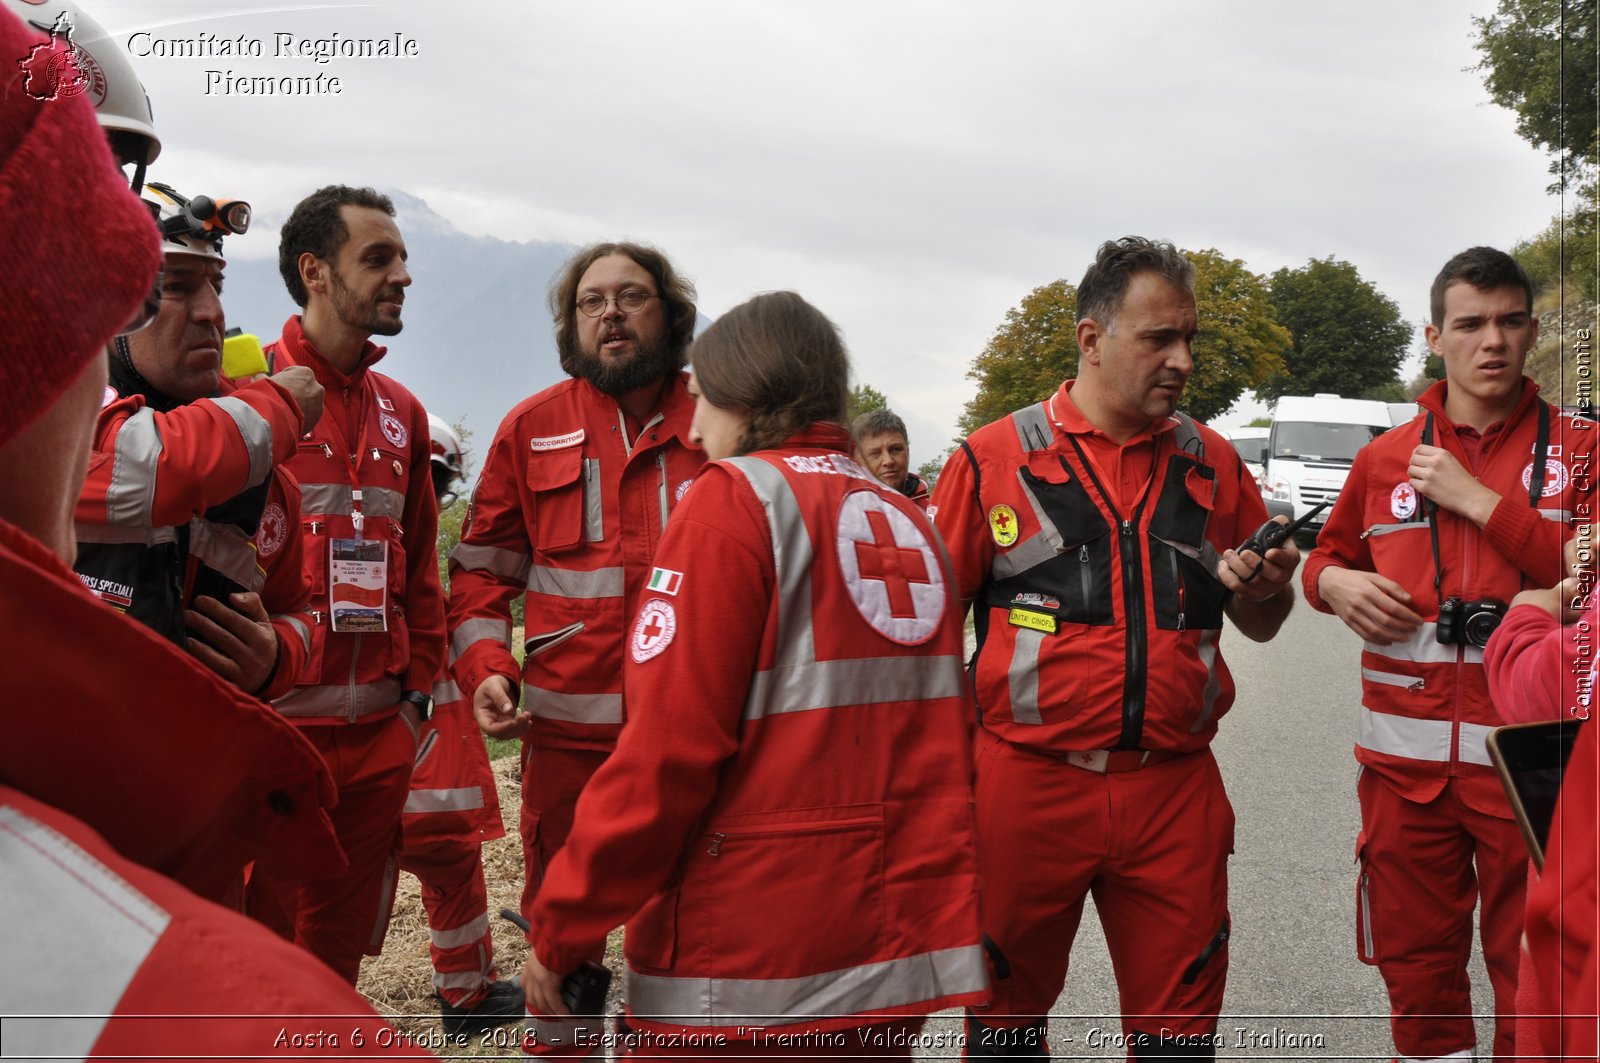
1469	623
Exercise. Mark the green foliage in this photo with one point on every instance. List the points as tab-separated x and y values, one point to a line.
1240	345
1027	358
1349	338
863	398
930	469
1568	248
1260	422
1539	60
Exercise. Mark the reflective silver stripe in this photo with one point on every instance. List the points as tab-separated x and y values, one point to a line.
570	583
1037	548
458	799
776	1001
1403	736
469	934
862	681
797	681
225	548
1424	647
446	691
574	708
257	433
1464	1053
57	896
1185	433
340	699
321	500
594	525
1392	679
1207	649
110	535
334	500
131	498
1023	676
508	565
1558	515
1033	427
459	979
1386	529
468	632
299	628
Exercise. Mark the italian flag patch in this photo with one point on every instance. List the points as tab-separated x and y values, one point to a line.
665	581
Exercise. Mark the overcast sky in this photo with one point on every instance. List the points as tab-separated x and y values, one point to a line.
913	169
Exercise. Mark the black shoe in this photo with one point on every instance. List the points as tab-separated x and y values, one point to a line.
503	1004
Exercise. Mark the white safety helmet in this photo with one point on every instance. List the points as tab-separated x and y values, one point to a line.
120	101
196	226
444	446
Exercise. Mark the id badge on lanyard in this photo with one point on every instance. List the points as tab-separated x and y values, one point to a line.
358	579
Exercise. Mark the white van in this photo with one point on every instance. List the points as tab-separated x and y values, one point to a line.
1312	443
1251	443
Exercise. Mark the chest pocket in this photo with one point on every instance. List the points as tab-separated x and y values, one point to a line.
1184	586
1077	572
564	487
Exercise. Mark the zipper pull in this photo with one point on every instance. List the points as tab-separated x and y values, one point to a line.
1127	527
716	845
1414	687
375	455
1180	622
1083	553
357	518
328	450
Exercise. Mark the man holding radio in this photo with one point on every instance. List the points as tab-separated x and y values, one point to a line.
1440	523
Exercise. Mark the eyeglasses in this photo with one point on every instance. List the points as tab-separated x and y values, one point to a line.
630	301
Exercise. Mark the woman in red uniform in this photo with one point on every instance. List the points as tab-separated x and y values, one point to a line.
786	822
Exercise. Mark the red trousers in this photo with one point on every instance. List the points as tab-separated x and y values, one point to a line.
1150	845
1423	868
341	918
552	779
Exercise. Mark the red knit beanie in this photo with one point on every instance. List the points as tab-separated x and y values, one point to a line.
79	248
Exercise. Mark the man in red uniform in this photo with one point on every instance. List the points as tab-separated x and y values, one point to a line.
572	501
452	810
881	446
105	829
183	522
1440	523
1093	534
369	518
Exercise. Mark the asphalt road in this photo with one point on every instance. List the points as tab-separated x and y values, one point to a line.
1295	986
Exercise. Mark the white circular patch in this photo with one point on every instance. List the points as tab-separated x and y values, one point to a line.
890	569
1555	477
654	630
1403	501
273	531
683	489
108	396
393	430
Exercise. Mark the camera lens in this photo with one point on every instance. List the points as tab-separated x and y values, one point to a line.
1480	626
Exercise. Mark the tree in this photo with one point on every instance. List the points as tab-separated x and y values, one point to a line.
1349	338
1239	345
863	398
1539	60
1028	356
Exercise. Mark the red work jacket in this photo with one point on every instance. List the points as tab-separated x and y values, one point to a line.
1098	621
568	510
368	455
790	799
1425	709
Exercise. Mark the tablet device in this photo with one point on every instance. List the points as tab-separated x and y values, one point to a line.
1531	759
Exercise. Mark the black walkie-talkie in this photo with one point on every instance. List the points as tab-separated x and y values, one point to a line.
1272	534
583	991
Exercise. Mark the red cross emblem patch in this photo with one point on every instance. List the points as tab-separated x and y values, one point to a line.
654	630
890	569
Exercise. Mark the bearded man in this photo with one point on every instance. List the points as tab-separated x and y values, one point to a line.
573	498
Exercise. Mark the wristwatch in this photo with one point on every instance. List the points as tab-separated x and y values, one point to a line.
423	703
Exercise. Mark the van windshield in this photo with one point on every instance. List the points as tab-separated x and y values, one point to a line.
1315	441
1254	450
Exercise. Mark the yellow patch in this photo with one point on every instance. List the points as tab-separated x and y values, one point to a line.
1003	524
1037	621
